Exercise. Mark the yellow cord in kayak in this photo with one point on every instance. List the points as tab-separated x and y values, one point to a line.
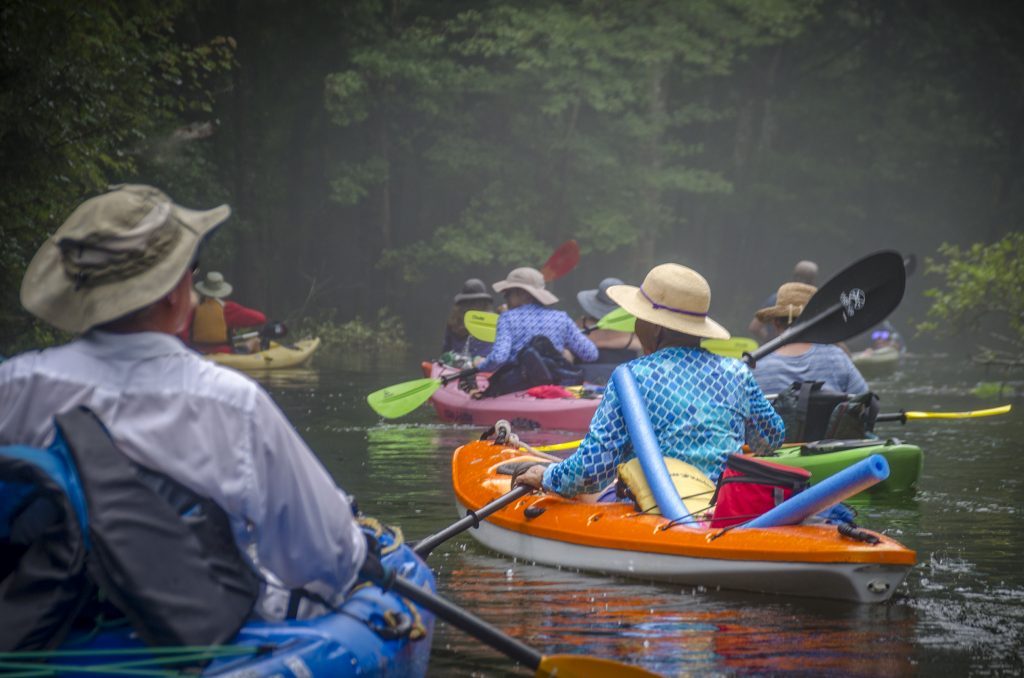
992	411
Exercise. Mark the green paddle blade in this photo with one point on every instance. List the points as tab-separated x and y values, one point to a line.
482	324
619	320
401	399
730	348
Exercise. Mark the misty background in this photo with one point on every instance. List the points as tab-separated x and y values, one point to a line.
377	153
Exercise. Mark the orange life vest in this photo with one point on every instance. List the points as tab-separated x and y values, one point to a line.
208	323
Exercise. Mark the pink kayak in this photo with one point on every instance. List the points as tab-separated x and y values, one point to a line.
524	411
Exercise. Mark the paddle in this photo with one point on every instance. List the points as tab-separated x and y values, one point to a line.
903	416
563	666
401	399
561	261
472	519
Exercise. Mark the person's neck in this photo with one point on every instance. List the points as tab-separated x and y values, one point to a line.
798	348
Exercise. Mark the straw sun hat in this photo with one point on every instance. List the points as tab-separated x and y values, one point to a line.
789	302
117	253
529	279
674	297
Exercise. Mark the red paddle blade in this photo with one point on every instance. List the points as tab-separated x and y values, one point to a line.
563	260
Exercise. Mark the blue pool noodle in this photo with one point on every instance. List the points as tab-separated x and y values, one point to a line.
645	444
830	491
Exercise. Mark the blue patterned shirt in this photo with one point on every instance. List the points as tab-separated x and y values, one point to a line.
823	362
703	407
517	326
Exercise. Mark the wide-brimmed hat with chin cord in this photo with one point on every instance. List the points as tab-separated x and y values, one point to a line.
597	303
117	253
529	279
672	296
214	285
472	290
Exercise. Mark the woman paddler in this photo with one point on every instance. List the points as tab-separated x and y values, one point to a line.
703	407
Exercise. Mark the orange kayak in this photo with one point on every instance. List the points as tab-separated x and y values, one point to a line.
803	560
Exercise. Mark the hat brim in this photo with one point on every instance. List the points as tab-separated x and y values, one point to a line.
49	294
473	297
224	290
593	306
538	293
630	298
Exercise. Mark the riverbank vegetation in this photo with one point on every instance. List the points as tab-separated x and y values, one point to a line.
388	149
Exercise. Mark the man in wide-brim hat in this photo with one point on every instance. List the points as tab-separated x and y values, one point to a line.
216	319
119	272
802	361
703	407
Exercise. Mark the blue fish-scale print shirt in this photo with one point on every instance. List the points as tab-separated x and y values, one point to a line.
517	326
703	407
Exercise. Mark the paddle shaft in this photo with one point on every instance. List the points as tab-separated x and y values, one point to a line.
472	519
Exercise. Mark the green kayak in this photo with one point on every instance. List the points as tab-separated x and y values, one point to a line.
828	457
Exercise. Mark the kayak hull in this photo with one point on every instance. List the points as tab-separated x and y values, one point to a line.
523	411
877	360
341	644
278	356
905	463
801	560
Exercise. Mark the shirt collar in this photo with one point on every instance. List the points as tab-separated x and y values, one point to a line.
132	346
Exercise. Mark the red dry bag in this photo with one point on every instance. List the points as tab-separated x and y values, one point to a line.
750	486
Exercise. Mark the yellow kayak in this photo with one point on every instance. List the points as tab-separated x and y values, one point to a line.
276	357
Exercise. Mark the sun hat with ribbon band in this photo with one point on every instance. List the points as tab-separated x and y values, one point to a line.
117	253
674	297
789	302
214	285
529	279
597	303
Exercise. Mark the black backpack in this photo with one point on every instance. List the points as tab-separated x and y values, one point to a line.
538	363
81	515
811	413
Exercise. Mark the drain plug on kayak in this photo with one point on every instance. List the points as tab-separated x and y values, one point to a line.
878	586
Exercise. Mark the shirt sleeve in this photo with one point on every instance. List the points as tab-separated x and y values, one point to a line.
501	351
594	463
580	345
764	429
236	315
854	380
305	529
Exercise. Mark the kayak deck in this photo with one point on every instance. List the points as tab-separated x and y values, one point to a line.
522	410
278	356
905	463
804	560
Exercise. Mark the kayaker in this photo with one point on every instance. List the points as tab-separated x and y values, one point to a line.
804	272
211	326
457	339
527	318
802	361
118	273
703	407
612	346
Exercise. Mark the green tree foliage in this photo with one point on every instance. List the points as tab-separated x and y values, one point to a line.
555	119
980	282
87	87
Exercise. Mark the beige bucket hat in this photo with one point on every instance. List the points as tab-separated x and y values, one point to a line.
789	302
673	296
529	279
117	253
214	285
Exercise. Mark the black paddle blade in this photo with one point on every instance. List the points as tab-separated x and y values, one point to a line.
853	301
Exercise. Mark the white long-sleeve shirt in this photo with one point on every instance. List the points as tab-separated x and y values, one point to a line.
210	428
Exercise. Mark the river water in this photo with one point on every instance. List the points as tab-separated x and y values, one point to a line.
960	612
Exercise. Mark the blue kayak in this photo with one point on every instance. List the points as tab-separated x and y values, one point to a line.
375	633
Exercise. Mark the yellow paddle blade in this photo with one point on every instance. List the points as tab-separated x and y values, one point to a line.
729	348
619	320
401	399
572	444
992	411
579	666
482	324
